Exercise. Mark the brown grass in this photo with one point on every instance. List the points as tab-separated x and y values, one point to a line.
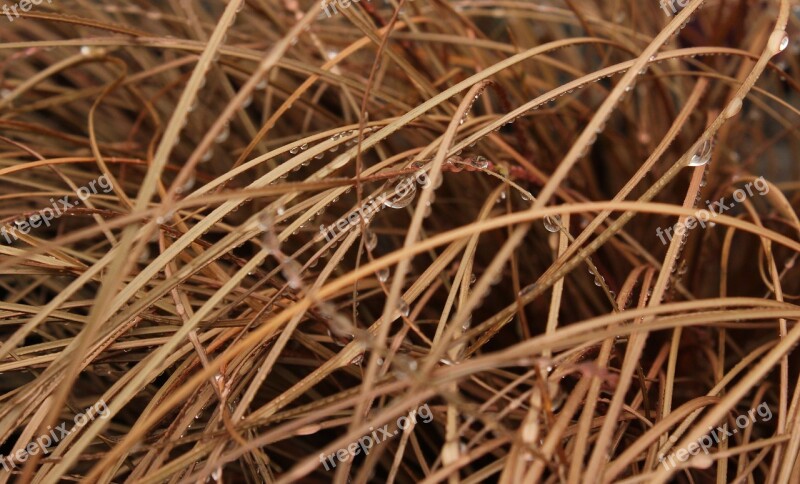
523	294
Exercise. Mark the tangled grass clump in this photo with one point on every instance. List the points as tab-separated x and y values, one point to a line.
239	238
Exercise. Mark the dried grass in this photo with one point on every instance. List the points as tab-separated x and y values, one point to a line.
523	294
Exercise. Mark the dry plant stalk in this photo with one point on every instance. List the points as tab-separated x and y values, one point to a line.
399	241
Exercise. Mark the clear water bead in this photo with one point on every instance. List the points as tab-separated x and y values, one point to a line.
703	155
405	310
480	162
224	134
370	239
551	223
403	200
383	274
784	42
527	289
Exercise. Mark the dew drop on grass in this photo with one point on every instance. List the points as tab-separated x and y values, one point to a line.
370	239
224	134
402	201
294	150
383	274
480	162
703	155
551	223
733	108
778	41
189	183
405	310
335	339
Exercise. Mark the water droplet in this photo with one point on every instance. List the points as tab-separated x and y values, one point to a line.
224	134
778	41
527	289
280	210
598	280
188	184
525	197
403	199
294	150
405	310
304	146
370	239
551	223
467	324
473	278
291	272
733	108
703	155
383	274
480	162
